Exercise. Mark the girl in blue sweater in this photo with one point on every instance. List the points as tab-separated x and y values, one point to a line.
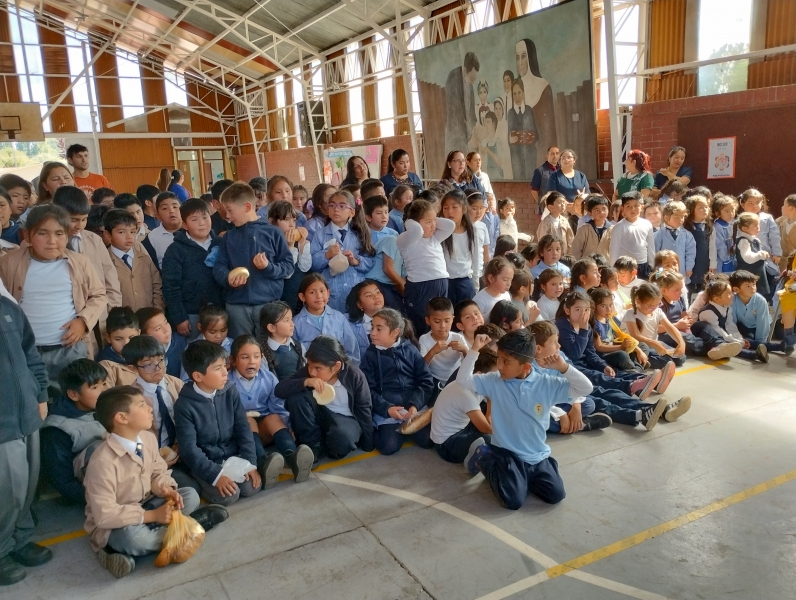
399	379
722	253
364	301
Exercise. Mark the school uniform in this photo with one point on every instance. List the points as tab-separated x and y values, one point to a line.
426	270
302	263
284	359
579	345
771	242
559	266
702	262
156	244
722	255
618	359
753	320
152	222
700	337
547	308
648	327
212	427
161	398
385	243
339	285
462	263
451	429
91	245
486	301
226	344
559	227
682	242
492	223
362	331
396	221
331	322
397	376
591	239
637	240
12	233
787	234
444	363
174	351
334	429
109	354
749	257
139	278
519	461
313	225
123	480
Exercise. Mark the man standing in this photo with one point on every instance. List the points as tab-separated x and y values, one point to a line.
460	101
77	157
542	174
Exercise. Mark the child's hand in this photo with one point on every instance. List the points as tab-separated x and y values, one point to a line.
173	462
682	324
226	487
554	361
746	344
400	286
75	329
410	413
563	424
302	233
533	314
680	350
260	261
315	383
480	341
290	237
254	477
237	281
332	251
766	255
584	320
352	260
626	343
775	259
458	346
397	412
641	357
160	515
689	273
184	328
575	419
609	371
660	348
43	410
171	494
439	347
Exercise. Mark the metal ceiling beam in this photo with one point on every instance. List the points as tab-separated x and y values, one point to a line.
180	18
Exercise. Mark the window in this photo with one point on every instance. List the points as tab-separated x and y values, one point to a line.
385	86
417	43
626	30
175	89
27	58
724	30
84	96
354	79
482	16
298	96
130	85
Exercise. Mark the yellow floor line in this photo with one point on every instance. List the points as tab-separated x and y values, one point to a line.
63	538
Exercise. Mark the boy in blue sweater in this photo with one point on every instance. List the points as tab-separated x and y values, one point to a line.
752	317
672	236
261	249
188	282
517	461
121	326
212	426
70	430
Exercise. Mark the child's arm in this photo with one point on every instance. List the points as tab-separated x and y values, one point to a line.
579	385
774	239
708	316
433	351
171	289
241	430
380	405
388	266
614	248
762	318
89	314
278	259
593	360
304	258
635	332
57	464
445	228
675	334
579	243
349	341
295	384
319	251
712	250
361	262
690	252
480	421
157	288
600	346
465	377
745	248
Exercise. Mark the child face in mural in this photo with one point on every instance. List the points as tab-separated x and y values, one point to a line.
521	56
517	95
482	95
507	84
499	111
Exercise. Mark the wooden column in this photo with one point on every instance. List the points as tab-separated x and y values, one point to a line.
9	87
369	94
108	92
667	42
153	85
338	108
56	62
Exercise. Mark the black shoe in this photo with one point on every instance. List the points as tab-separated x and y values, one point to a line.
318	455
301	462
32	555
270	467
210	515
652	412
596	421
11	571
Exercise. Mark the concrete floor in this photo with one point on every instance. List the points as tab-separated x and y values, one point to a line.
411	526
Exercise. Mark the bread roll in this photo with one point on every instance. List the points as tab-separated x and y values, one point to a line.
239	271
326	396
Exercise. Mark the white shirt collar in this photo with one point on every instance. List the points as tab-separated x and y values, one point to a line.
202	392
519	109
274	345
205	244
367	323
151	388
121	254
395	345
128	445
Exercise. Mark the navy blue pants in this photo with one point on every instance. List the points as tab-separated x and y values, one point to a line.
320	428
619	406
417	296
658	361
460	289
702	338
621	382
389	439
619	360
643	271
749	335
586	408
512	479
454	449
392	299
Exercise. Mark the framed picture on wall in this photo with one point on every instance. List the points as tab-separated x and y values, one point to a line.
721	158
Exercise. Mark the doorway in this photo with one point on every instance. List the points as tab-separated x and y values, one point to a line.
202	168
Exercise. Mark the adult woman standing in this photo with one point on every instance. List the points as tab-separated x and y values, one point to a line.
458	175
164	180
676	170
53	175
398	172
567	180
637	177
176	188
356	171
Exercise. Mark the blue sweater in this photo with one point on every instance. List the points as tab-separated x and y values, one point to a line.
579	346
211	430
237	249
260	396
188	282
397	376
390	183
753	315
174	354
396	222
684	246
108	353
333	323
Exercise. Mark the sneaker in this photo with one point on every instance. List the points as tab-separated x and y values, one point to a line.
651	413
478	448
118	565
270	467
301	463
596	421
643	387
762	353
667	373
677	409
11	571
788	342
726	350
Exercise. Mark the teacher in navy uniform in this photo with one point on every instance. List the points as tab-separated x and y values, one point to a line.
567	180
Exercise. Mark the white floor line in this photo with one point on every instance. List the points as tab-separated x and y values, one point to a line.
505	537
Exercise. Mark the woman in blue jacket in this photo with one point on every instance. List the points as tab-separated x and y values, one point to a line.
175	186
398	172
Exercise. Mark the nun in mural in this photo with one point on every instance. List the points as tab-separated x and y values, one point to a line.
460	103
538	94
523	134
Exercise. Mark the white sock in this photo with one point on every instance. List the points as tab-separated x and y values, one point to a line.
638	415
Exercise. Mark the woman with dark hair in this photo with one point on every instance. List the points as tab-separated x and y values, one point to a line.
676	170
398	172
567	180
175	187
356	171
538	94
53	175
458	175
637	177
164	180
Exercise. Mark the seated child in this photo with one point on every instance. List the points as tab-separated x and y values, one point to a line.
498	274
507	316
400	382
211	325
9	230
120	327
212	426
609	347
458	420
153	322
318	318
550	285
585	275
626	270
128	485
283	355
364	301
441	348
531	256
751	314
609	280
337	428
387	270
517	461
520	291
267	415
549	252
467	317
70	428
700	338
718	313
644	320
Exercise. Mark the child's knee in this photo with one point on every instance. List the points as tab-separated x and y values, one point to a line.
190	499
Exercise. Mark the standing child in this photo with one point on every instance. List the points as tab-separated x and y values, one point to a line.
281	352
317	318
188	282
517	461
121	326
420	246
644	319
653	212
320	194
462	251
400	382
336	428
162	236
673	237
478	210
749	253
698	222
556	223
10	231
722	251
260	249
520	291
400	198
508	226
467	318
441	348
364	301
346	233
615	212
134	206
752	201
787	231
718	313
278	189
267	415
593	236
282	215
550	284
498	275
387	270
549	252
153	322
633	236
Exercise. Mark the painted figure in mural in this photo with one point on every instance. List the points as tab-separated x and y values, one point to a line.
538	94
523	134
460	101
